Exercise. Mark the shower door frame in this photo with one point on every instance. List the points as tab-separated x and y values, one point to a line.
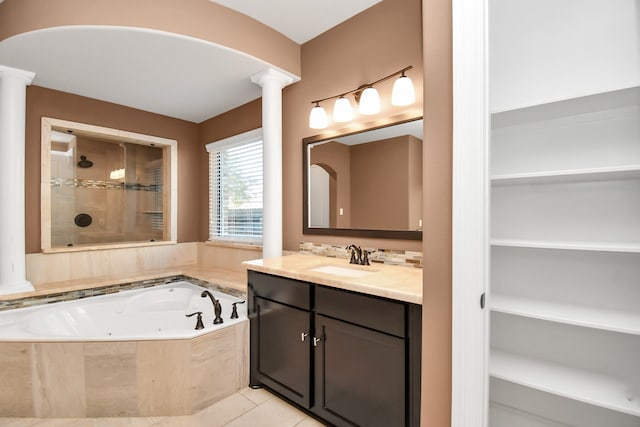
170	179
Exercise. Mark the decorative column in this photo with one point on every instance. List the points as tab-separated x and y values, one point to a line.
13	93
272	82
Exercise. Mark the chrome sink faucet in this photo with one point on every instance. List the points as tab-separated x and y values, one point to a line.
217	307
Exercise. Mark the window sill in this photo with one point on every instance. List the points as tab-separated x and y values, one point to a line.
236	245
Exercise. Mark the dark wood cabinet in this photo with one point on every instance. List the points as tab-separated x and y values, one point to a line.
359	375
348	358
282	349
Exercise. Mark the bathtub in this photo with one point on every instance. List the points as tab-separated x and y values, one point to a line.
131	353
155	313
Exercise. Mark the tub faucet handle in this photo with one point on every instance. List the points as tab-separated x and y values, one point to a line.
199	323
234	309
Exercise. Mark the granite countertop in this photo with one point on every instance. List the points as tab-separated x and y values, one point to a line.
388	281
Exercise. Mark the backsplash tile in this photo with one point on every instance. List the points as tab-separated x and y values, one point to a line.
381	256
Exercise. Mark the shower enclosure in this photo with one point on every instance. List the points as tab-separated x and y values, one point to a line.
104	188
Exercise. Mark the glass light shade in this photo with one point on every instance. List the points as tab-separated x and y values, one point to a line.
342	111
403	93
318	118
369	101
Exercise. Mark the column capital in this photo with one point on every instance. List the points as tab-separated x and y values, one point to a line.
271	74
26	76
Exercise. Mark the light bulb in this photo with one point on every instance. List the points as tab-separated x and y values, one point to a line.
369	101
403	93
342	111
318	118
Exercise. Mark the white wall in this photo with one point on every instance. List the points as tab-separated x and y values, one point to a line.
547	50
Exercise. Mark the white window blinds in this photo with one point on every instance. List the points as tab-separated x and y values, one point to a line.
235	191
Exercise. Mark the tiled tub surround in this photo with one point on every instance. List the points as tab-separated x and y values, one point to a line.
90	378
377	256
157	312
10	304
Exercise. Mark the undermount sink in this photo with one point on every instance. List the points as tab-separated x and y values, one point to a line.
342	271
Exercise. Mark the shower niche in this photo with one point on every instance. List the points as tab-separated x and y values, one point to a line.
105	187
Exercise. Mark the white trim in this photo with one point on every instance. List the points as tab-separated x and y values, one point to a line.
470	324
242	138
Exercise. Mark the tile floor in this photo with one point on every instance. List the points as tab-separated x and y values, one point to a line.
247	408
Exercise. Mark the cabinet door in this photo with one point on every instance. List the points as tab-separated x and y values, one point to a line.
359	375
280	354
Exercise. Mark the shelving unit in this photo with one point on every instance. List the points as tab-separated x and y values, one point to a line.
570	175
569	245
565	267
591	317
577	384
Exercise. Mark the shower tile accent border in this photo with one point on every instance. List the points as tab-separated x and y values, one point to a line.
109	185
112	289
381	256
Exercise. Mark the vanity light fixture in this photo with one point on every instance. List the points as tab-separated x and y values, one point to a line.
403	93
367	98
369	101
318	117
342	111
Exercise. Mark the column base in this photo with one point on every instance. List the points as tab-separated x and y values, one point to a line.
16	288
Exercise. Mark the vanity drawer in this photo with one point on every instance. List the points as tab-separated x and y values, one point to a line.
280	289
375	313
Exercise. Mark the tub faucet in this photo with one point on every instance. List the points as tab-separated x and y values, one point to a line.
217	307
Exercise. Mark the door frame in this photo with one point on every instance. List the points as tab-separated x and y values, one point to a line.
470	235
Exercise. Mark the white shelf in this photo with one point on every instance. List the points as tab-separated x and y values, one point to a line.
575	175
579	104
595	389
570	245
591	317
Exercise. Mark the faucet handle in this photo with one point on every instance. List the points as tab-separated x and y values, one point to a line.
199	323
234	309
365	257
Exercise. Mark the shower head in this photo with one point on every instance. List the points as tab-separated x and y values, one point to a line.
84	163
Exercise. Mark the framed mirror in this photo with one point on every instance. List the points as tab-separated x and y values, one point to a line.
105	187
366	183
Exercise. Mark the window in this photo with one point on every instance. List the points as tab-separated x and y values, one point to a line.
235	190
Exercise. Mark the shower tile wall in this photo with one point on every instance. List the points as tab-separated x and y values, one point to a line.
121	209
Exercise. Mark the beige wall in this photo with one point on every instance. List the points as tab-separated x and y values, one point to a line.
371	45
43	102
437	161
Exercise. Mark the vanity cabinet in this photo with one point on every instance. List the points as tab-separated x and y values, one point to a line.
349	358
280	333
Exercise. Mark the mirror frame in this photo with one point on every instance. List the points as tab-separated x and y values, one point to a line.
353	232
170	156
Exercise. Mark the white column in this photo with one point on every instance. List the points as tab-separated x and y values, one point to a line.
272	82
13	85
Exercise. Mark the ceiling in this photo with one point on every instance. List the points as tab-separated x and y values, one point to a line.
300	20
165	73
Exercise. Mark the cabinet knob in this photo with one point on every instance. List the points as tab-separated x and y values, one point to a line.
316	340
303	336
